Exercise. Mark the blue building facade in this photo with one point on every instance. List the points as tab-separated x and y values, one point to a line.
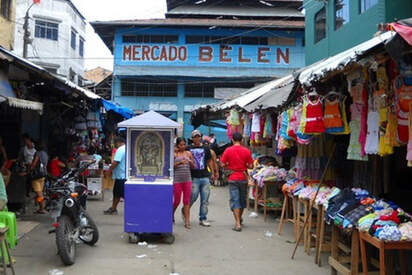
175	69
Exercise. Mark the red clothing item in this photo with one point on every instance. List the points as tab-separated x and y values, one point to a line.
54	168
314	118
237	158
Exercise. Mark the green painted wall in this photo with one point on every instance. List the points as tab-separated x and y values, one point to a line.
361	26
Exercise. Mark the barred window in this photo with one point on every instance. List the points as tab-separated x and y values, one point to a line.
140	87
47	30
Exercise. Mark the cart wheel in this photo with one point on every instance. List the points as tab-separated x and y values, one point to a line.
133	238
169	239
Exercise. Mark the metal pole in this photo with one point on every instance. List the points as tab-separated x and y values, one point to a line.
26	36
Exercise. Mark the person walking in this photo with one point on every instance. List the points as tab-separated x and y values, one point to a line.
237	159
38	172
200	175
182	180
118	170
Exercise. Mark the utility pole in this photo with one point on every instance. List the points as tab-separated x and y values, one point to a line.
26	36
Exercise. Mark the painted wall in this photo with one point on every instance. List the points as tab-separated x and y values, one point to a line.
7	28
44	51
361	26
208	60
200	62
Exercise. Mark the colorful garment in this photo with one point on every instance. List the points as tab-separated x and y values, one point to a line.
403	98
354	148
314	117
372	137
384	149
234	118
332	117
391	130
268	127
247	125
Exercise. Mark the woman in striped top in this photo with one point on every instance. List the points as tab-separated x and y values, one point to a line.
182	182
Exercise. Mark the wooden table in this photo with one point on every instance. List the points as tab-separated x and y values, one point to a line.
339	263
383	248
264	205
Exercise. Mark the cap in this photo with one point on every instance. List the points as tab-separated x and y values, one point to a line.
196	133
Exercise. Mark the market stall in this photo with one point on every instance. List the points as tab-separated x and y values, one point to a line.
356	105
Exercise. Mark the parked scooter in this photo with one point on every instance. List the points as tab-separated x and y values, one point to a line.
66	199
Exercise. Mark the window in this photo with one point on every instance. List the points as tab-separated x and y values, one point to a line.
47	30
320	25
139	87
341	13
232	40
6	8
81	46
367	4
73	40
147	38
199	90
72	75
282	41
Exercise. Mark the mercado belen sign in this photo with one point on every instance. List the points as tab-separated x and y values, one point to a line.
206	54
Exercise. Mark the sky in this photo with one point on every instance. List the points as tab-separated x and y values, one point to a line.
96	52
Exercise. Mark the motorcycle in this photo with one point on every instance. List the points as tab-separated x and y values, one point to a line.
66	199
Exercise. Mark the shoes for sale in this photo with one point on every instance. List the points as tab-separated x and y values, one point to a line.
204	223
110	211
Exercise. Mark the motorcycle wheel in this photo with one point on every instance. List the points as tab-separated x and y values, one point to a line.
90	240
65	242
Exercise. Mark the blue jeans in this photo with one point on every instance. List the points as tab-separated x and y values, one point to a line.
238	194
202	186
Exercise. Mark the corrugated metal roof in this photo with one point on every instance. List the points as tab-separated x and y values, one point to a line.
203	22
236	11
342	59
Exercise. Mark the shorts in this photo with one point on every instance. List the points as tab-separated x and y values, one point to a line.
238	194
38	184
118	189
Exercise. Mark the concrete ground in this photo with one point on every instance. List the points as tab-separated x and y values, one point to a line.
214	250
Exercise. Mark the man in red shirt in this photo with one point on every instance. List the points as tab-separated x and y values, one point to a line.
237	159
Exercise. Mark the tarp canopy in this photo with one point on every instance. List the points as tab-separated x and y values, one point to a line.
273	99
123	111
319	69
253	94
151	120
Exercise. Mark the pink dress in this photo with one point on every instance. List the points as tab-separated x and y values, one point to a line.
409	152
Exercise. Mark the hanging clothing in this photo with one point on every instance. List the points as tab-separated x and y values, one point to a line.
384	149
372	137
354	148
234	118
314	117
391	128
332	117
293	123
364	118
301	122
255	123
247	125
403	98
268	127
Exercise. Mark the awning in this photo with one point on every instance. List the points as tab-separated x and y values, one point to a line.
123	111
25	104
320	69
253	94
273	99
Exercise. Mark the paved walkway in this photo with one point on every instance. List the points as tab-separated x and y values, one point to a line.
214	250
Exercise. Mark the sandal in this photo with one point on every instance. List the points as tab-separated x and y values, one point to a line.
237	229
41	212
187	226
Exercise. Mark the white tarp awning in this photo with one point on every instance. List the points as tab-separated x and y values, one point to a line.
342	59
253	94
25	104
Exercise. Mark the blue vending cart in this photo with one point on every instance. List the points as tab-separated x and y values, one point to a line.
149	172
